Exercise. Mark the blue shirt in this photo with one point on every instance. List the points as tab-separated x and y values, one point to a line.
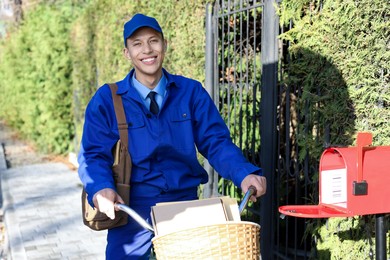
163	147
144	91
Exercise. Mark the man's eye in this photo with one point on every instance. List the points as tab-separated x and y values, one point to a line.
136	44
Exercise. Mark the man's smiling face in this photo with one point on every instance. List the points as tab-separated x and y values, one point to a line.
146	50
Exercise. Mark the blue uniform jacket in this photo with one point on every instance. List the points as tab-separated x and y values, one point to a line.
163	147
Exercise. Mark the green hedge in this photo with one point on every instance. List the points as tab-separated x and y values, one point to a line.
35	78
353	37
340	57
61	53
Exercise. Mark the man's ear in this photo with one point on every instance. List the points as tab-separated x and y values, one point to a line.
165	45
126	53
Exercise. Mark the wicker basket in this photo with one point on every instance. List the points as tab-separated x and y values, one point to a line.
231	240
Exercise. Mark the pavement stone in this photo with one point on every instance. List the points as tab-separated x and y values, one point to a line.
42	214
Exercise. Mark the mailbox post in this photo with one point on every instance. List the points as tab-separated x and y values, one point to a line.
352	181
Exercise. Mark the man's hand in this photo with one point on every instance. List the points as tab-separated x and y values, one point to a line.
104	201
259	182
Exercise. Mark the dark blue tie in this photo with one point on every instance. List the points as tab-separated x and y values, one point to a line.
153	104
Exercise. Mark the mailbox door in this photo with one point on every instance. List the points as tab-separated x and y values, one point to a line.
339	168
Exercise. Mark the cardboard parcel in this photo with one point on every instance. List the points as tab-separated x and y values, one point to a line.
169	217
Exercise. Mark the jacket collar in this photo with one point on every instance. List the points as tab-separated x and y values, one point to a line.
125	84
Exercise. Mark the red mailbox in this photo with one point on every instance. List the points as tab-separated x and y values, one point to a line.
352	181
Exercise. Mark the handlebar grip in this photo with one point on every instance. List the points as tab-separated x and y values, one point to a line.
251	190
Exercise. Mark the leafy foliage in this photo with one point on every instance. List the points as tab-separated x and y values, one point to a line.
347	238
64	50
354	38
36	78
339	62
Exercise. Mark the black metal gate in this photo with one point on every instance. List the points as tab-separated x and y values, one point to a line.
243	57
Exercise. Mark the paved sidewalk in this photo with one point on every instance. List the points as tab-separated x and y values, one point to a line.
42	214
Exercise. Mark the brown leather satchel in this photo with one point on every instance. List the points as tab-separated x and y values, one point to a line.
121	170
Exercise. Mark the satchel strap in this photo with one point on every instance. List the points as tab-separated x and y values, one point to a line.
122	128
120	114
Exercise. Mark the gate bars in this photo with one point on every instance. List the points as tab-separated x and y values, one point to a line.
241	76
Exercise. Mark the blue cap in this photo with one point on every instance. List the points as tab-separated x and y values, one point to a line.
138	21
